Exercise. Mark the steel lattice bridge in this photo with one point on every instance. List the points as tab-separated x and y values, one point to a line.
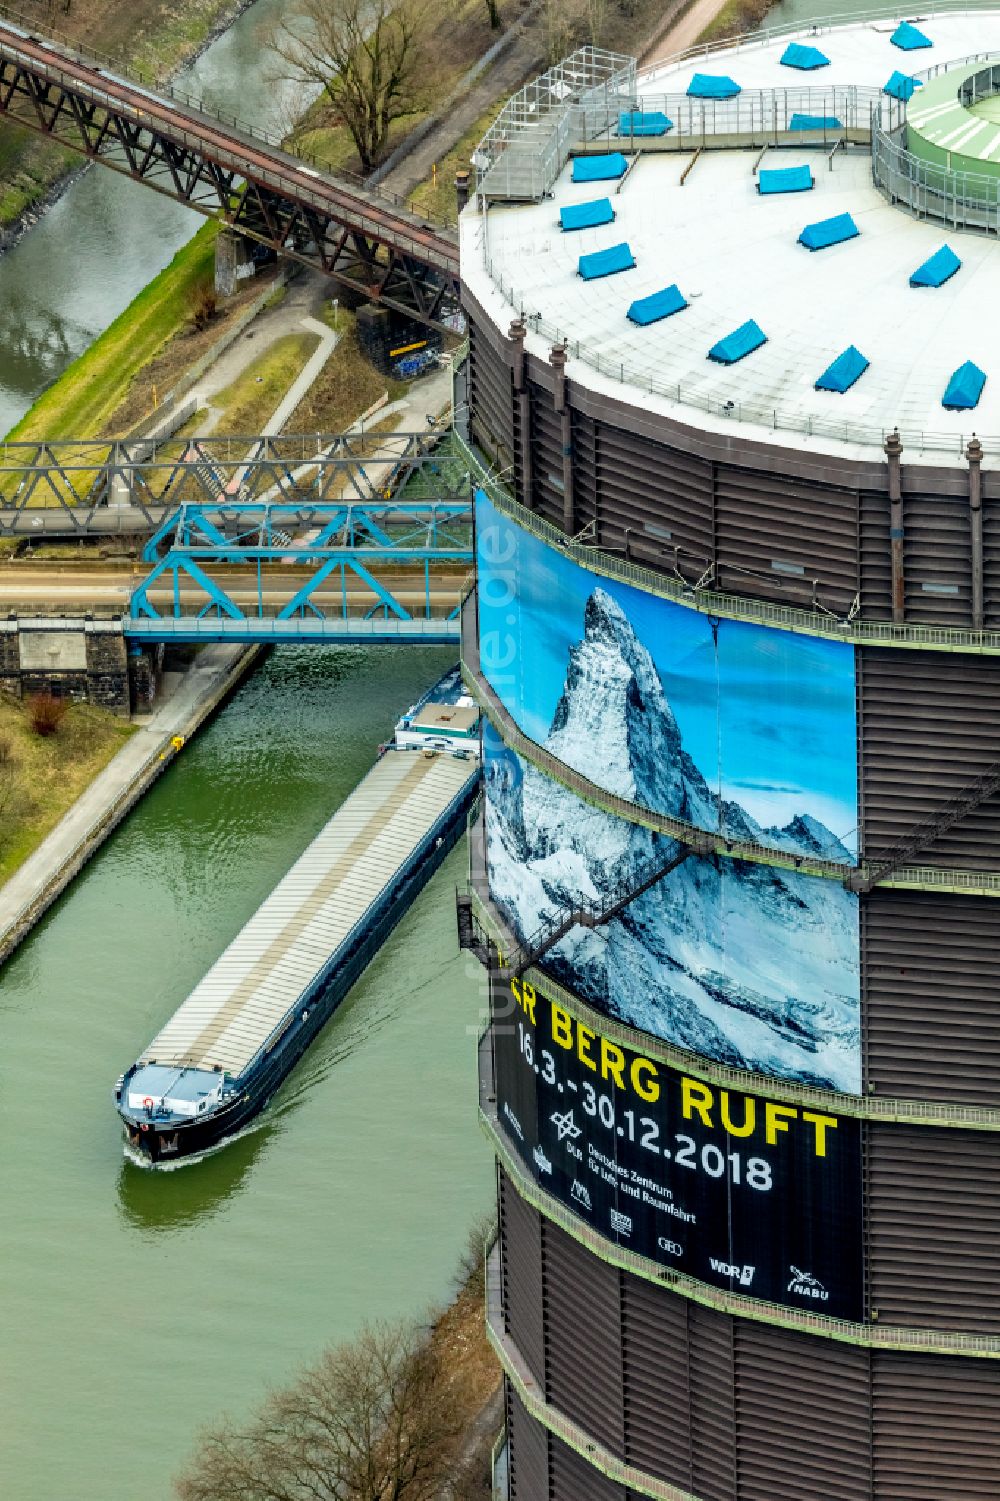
92	487
229	170
349	571
309	537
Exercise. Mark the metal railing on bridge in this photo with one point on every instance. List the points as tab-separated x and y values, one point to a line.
339	571
231	172
83	486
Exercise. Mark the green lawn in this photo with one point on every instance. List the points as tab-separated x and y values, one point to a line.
50	774
255	395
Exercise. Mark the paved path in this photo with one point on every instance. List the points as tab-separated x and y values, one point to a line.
301	385
683	32
44	873
294	313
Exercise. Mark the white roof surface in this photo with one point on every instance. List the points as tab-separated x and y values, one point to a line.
735	256
861	53
229	1016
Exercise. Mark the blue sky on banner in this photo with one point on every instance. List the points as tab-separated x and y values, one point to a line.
767	716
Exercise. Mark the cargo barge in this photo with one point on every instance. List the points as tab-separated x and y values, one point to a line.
226	1050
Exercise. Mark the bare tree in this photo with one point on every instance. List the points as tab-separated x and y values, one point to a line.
364	56
372	1421
493	9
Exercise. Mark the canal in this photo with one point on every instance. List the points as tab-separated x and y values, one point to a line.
137	1306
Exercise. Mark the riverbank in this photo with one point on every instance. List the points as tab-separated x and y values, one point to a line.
41	775
116	789
154	39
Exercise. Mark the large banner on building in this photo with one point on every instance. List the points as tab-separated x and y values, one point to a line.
738	1191
736	728
746	964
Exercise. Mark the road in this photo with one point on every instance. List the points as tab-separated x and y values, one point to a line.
683	33
56	589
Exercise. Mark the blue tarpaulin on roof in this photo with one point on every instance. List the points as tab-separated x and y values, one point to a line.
599	168
587	215
827	232
937	269
640	123
844	371
660	305
908	38
901	86
712	86
964	388
606	262
741	342
814	122
784	180
796	55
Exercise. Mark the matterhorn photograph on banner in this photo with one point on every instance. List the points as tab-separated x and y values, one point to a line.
706	721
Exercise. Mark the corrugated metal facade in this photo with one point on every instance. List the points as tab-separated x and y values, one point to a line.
931	1023
934	1227
731	1410
928	726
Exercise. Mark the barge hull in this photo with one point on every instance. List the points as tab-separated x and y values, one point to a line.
403	793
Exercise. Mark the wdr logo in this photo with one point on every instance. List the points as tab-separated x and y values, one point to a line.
741	1274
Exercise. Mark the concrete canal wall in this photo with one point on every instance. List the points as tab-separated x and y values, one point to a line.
93	817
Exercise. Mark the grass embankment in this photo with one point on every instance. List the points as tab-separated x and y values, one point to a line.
129	368
435	197
48	775
152	36
735	19
84	398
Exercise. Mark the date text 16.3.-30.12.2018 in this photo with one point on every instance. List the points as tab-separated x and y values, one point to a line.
743	1193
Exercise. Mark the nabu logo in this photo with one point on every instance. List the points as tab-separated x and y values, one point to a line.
581	1194
741	1274
806	1285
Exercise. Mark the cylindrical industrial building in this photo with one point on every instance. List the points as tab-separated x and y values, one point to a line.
733	375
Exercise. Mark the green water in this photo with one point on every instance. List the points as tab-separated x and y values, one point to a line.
137	1306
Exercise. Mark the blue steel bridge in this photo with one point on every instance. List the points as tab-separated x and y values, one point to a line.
311	537
327	572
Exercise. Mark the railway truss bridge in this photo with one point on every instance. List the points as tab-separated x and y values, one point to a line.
365	239
336	538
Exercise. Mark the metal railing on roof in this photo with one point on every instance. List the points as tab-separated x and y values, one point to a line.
930	190
528	144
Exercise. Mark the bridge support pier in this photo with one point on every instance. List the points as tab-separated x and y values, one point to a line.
232	254
396	345
85	660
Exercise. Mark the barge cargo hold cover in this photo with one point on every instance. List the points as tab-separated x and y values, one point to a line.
229	1045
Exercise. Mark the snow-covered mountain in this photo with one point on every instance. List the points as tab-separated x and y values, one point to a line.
748	964
614	725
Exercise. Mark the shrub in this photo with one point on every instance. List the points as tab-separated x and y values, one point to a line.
204	305
46	713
